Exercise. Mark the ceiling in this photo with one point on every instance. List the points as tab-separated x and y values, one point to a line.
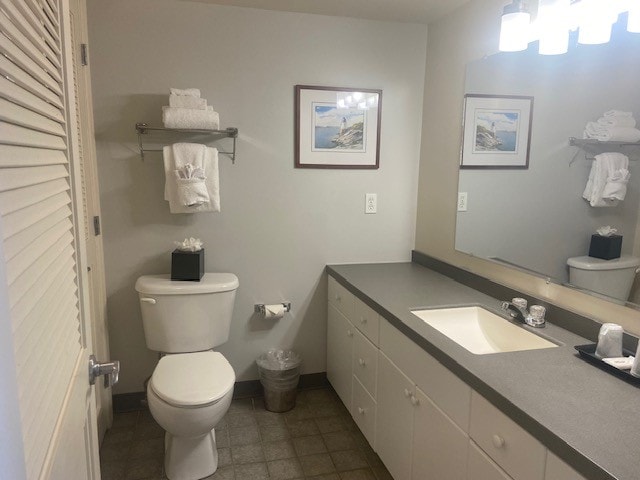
411	11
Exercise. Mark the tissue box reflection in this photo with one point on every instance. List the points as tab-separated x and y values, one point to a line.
187	266
606	248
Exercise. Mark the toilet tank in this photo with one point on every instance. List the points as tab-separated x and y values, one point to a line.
180	316
613	278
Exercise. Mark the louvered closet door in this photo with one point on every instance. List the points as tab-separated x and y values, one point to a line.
43	250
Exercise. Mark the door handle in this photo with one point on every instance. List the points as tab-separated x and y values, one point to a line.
110	370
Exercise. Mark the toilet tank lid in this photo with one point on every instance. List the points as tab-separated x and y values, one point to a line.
209	283
592	263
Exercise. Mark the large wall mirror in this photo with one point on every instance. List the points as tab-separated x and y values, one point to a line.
534	217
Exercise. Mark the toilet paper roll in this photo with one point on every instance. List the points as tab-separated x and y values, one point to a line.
274	311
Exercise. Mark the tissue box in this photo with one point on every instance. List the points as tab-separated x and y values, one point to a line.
606	248
187	266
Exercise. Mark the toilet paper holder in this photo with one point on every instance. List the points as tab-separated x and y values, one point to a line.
262	309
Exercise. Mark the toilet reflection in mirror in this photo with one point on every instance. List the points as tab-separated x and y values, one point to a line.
536	219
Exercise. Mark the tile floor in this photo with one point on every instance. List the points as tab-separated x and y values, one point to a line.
316	440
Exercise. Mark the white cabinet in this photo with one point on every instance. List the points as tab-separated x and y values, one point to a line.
365	362
481	467
508	444
395	419
439	445
363	411
558	470
340	354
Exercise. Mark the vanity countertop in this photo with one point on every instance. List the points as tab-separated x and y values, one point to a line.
584	415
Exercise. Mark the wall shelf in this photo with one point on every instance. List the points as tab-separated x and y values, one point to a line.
164	136
594	147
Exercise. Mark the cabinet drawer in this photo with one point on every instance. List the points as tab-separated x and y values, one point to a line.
341	298
364	412
446	390
481	467
515	450
558	470
367	320
365	362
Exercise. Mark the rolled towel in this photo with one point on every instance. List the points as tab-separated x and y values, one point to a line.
185	92
620	134
190	118
183	101
616	121
617	113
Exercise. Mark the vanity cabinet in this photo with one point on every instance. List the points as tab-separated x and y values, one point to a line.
352	356
558	470
422	420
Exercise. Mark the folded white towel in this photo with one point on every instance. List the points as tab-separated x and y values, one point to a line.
210	166
607	180
191	189
190	118
185	92
617	113
606	133
617	121
183	101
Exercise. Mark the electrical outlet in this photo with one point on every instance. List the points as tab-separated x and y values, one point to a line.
371	203
462	201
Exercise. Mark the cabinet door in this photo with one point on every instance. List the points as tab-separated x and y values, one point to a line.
439	445
365	362
339	354
394	424
364	412
558	470
481	467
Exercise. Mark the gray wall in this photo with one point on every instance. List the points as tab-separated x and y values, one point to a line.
279	226
537	217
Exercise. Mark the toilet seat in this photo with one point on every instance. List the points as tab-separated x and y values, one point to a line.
192	379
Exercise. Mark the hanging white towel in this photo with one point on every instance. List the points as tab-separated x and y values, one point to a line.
210	167
190	118
183	101
185	92
191	188
618	176
607	180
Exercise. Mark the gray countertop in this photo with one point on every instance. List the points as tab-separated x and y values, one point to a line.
584	415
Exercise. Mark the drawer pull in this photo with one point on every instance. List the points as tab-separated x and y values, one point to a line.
407	393
363	320
361	410
362	362
415	401
349	333
498	441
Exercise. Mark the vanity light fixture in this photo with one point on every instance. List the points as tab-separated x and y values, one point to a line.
593	19
514	28
553	26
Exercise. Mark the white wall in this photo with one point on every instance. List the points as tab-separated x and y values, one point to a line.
279	226
467	35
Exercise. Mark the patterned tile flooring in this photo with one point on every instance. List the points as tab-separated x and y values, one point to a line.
316	440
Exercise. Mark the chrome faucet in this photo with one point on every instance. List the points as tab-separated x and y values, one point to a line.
517	309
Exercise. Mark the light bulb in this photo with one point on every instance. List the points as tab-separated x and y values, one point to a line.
633	19
514	31
596	19
553	26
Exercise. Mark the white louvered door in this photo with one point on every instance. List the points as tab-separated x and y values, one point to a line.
44	251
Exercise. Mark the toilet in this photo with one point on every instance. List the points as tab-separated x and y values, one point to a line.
613	278
191	388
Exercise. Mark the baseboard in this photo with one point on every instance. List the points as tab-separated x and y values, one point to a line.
131	402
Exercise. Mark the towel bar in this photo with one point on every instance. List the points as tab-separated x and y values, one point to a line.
231	132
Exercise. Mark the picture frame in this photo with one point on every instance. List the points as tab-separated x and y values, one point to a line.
337	127
496	131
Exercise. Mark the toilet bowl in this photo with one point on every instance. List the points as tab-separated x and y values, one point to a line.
188	395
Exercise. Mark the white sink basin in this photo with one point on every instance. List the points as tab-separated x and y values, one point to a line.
480	331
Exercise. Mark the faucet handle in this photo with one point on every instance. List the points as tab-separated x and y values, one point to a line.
519	302
536	316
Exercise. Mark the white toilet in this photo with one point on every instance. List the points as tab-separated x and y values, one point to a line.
613	278
191	387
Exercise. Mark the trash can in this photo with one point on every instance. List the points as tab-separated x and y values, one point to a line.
279	374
